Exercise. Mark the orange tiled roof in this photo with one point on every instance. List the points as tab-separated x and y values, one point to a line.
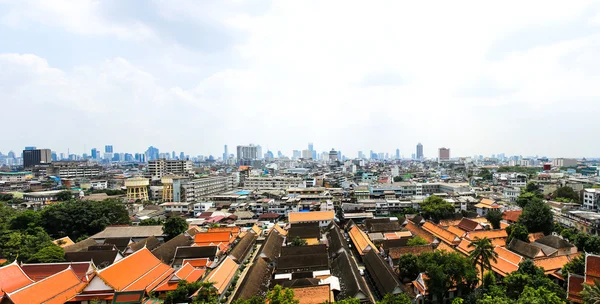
313	294
480	220
312	216
207	238
456	230
490	234
445	247
154	277
223	274
575	287
132	268
506	262
511	215
186	273
499	242
448	223
396	252
58	288
361	241
256	229
487	201
198	263
235	231
441	233
12	278
416	230
280	230
463	246
552	264
592	268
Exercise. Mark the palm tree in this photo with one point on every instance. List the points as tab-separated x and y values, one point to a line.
483	253
591	293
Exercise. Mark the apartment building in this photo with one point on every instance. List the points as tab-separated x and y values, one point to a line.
15	177
161	167
512	179
74	169
591	197
564	162
196	190
277	182
511	193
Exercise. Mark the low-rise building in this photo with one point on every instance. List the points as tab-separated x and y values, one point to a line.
277	182
177	207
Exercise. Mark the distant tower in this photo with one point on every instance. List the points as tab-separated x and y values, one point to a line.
225	153
444	154
419	151
397	153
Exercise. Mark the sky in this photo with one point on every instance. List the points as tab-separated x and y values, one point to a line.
479	77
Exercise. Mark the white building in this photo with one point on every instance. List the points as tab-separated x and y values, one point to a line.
177	207
161	167
511	193
277	182
564	162
202	207
591	198
99	184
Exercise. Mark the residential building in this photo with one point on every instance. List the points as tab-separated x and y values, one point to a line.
512	179
74	169
277	182
511	193
202	207
419	151
324	218
15	177
177	207
444	154
249	152
32	158
564	162
196	190
591	198
307	154
161	167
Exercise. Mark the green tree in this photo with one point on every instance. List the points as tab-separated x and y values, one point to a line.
150	222
446	271
435	208
393	299
23	244
417	241
408	265
591	293
529	275
526	198
174	226
483	253
494	216
489	279
532	187
458	301
64	196
575	266
297	241
260	300
183	292
5	197
485	174
397	179
566	193
518	231
540	295
537	216
279	295
48	254
25	219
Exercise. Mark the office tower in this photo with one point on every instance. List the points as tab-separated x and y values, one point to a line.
279	154
36	157
181	156
339	155
387	156
152	153
247	152
225	153
333	155
307	154
310	147
11	155
296	154
361	155
95	153
444	154
380	156
108	149
54	156
397	153
29	148
259	154
413	156
419	151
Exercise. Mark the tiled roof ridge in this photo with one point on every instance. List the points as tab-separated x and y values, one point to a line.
143	275
47	278
123	259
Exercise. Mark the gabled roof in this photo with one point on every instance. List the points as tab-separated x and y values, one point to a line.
129	231
441	233
120	242
150	242
417	230
511	216
361	242
456	231
547	250
464	246
12	277
352	285
256	229
574	288
166	251
336	241
66	241
535	236
243	247
235	230
58	288
304	232
186	273
525	249
256	281
313	294
490	234
279	230
208	238
592	268
506	262
40	271
382	225
81	246
312	216
139	271
271	249
554	242
469	225
197	263
101	259
445	248
381	273
194	252
396	253
553	264
387	244
222	275
397	235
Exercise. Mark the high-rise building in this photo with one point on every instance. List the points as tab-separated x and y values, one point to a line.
36	157
397	153
225	153
296	154
95	154
444	154
152	153
108	149
307	154
181	156
419	151
259	154
29	148
310	147
361	155
333	155
247	152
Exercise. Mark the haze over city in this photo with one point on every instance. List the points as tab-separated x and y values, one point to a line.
481	78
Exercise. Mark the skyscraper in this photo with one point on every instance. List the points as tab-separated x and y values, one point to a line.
225	153
108	149
419	151
35	157
152	153
247	152
397	153
95	153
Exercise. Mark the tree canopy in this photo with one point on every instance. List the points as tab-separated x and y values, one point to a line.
537	216
174	226
566	193
416	241
483	253
494	216
518	231
435	208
